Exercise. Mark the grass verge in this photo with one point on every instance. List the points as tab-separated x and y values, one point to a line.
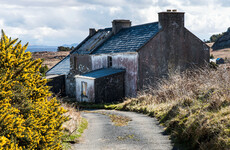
193	106
72	128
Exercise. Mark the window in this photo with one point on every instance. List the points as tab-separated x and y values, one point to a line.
83	88
110	61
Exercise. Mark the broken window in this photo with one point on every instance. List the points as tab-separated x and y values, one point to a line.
83	88
110	62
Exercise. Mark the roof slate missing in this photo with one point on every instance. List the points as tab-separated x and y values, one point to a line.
128	39
101	73
94	41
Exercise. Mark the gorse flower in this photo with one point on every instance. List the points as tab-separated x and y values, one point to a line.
28	120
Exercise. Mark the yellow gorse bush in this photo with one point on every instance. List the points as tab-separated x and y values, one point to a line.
28	120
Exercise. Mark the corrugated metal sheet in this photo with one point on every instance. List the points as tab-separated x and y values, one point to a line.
102	72
129	39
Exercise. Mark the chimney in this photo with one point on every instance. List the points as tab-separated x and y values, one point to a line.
171	19
92	31
117	25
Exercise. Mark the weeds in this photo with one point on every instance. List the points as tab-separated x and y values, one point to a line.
118	120
74	127
194	106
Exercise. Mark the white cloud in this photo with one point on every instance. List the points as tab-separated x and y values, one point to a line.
57	22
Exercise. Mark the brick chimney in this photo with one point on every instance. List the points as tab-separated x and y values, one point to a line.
171	19
117	25
92	31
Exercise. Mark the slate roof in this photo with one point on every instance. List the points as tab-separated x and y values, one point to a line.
60	68
101	73
128	39
104	41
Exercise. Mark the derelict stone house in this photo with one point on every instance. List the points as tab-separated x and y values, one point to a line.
115	62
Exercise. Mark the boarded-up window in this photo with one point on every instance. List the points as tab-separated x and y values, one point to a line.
83	88
110	61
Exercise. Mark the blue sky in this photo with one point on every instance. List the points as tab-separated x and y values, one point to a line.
58	22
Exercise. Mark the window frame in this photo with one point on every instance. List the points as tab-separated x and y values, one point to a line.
84	88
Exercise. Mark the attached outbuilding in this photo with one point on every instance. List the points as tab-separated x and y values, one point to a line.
100	86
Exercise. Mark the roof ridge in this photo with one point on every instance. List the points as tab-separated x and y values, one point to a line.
139	34
143	24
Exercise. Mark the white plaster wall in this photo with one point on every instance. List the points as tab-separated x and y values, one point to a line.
99	61
90	90
128	61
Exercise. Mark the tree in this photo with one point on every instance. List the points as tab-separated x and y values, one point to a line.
62	48
214	37
28	119
43	70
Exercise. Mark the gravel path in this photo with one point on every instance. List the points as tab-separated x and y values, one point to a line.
141	133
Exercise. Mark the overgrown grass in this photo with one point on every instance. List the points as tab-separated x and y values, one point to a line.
193	106
74	127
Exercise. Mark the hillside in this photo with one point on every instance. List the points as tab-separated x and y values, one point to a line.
50	58
222	53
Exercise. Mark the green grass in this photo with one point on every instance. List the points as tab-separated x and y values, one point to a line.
71	138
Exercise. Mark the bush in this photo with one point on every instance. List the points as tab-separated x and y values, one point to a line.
28	120
43	70
211	56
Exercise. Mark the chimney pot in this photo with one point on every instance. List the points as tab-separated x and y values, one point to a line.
174	10
168	10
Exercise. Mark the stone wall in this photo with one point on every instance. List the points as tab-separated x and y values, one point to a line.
57	84
79	64
172	49
110	88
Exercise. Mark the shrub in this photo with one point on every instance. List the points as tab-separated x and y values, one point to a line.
28	120
211	56
43	70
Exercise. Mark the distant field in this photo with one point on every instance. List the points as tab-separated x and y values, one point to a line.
223	53
50	58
